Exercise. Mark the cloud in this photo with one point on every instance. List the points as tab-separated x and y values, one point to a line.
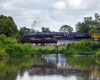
78	4
60	5
49	13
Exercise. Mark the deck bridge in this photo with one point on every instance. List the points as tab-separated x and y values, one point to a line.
49	42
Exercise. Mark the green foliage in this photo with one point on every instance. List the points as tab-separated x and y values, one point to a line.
37	53
7	26
89	25
68	46
18	37
92	45
27	48
97	54
21	33
78	52
45	29
76	46
0	43
18	48
9	41
66	28
72	45
88	42
86	47
3	53
3	38
10	50
82	27
82	45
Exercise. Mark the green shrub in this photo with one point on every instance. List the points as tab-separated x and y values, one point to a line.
68	53
3	53
18	48
72	45
82	45
61	51
88	48
68	46
37	53
10	50
88	42
46	51
0	43
9	41
76	46
78	52
3	38
92	45
27	49
97	54
52	51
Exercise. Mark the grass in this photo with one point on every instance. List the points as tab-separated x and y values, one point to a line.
48	47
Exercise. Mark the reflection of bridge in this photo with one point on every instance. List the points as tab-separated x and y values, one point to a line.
49	66
53	70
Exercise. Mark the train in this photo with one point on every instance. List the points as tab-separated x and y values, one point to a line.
56	36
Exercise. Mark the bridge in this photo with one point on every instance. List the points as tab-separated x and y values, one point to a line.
38	41
48	42
67	41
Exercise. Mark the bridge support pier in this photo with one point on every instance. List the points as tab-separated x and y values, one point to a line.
56	49
36	44
56	55
56	52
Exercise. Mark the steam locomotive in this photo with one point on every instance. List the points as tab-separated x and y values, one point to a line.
56	36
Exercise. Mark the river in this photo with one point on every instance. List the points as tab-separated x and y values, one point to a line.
50	67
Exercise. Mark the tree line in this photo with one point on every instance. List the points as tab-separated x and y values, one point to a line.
9	28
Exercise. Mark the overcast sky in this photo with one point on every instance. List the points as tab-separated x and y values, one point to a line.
48	13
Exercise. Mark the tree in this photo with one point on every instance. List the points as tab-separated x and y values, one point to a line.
84	27
95	25
26	30
90	26
7	26
45	29
66	28
22	32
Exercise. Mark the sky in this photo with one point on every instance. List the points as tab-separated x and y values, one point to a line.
51	14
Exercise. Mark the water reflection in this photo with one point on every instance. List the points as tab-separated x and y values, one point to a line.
50	67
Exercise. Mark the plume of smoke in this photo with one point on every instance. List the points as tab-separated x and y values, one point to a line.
35	22
40	19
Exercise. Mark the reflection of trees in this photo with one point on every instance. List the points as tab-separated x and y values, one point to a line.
9	67
84	63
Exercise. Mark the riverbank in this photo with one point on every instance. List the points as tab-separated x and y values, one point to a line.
48	47
27	56
11	48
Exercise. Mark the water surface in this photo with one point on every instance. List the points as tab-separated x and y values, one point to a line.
50	67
